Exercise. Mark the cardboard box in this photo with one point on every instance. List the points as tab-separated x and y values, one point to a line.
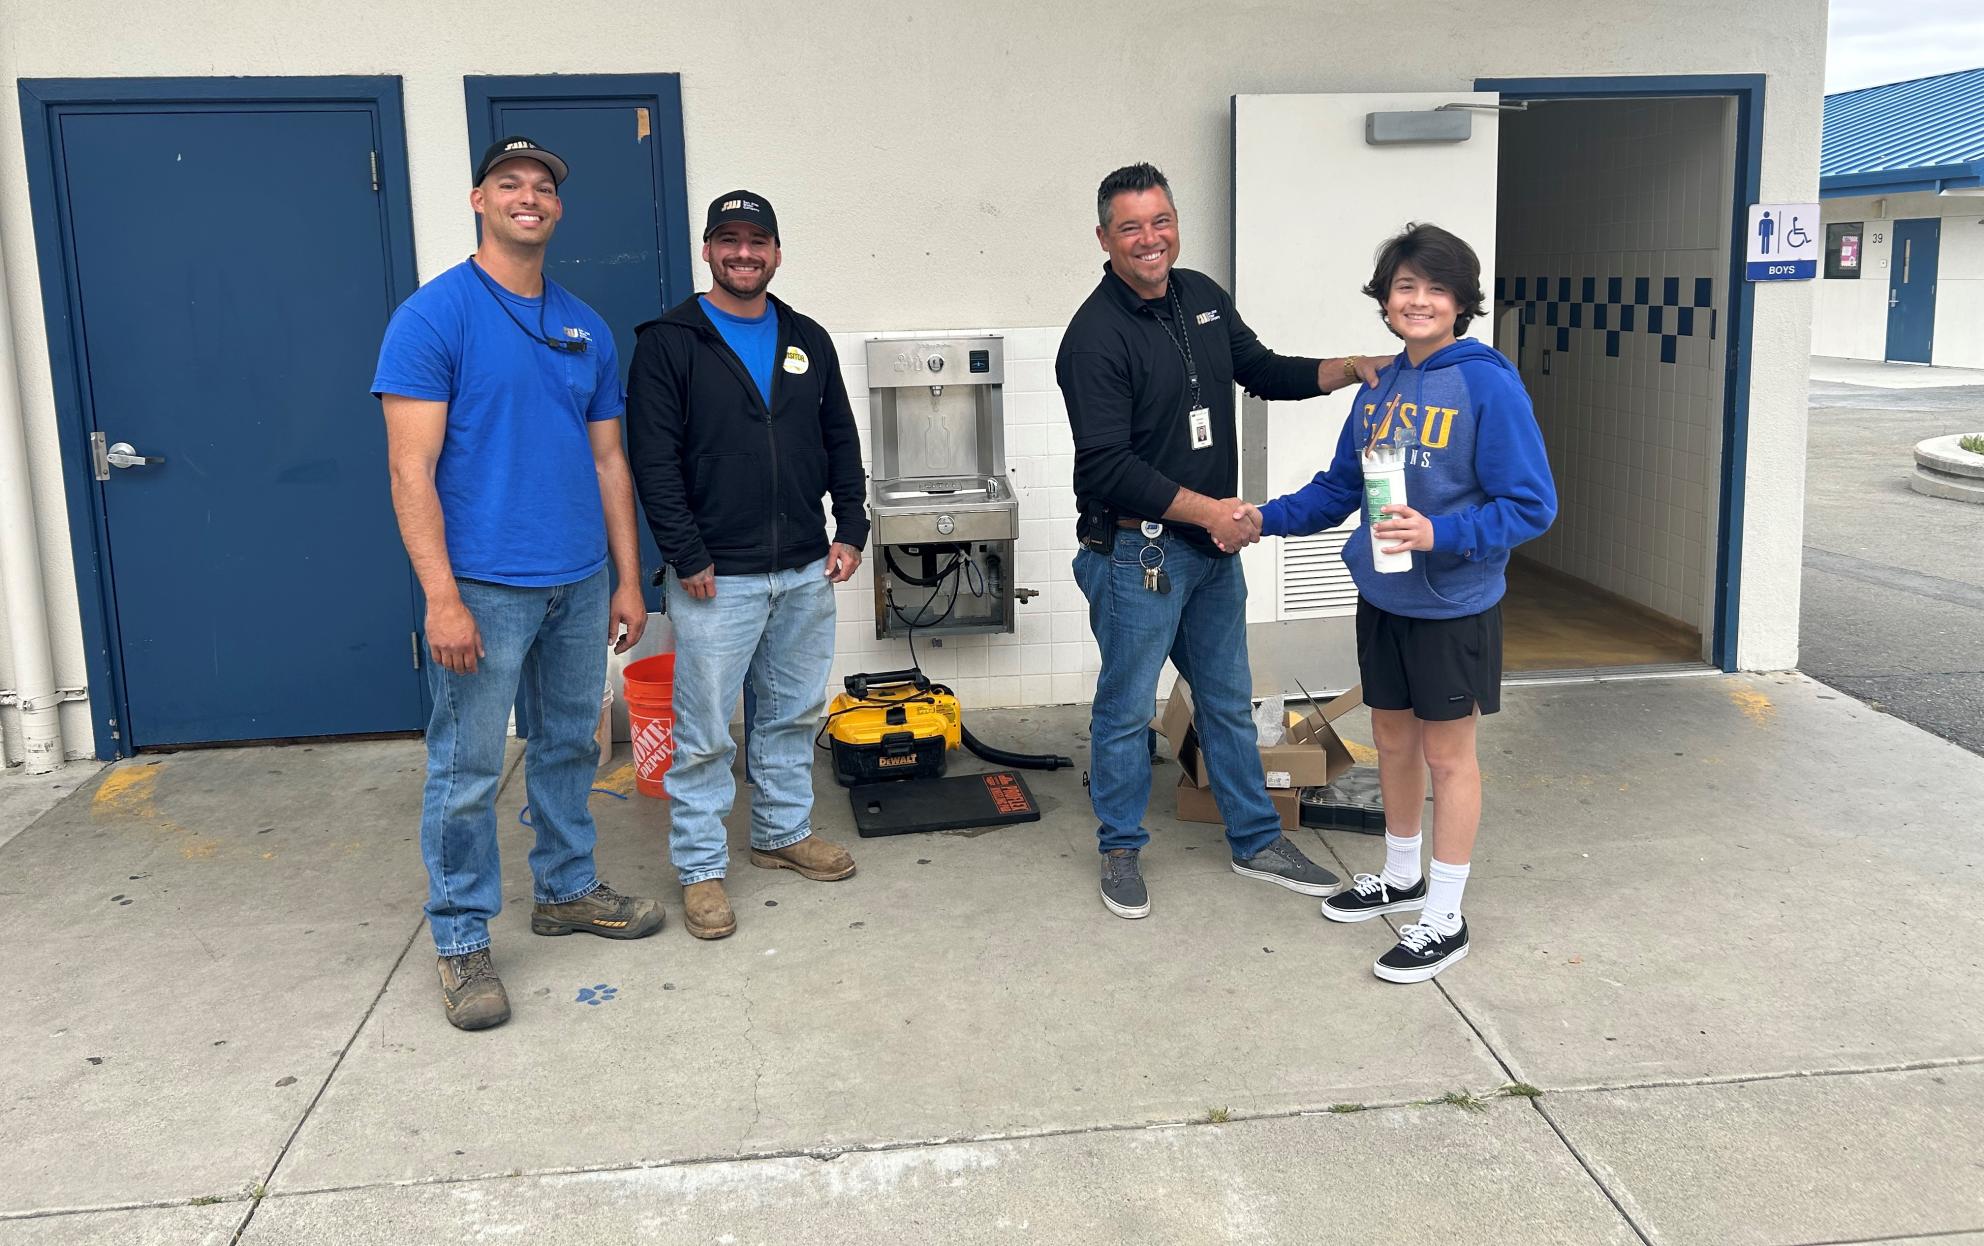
603	734
1195	804
1312	755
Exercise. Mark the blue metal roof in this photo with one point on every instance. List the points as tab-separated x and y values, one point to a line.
1923	134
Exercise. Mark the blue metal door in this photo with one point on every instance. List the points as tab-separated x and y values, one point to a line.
231	279
622	246
1912	289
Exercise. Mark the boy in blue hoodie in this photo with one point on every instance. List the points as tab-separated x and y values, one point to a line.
1429	638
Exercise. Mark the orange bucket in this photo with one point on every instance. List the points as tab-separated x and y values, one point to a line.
649	688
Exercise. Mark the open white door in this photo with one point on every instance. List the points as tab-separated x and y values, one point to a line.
1312	201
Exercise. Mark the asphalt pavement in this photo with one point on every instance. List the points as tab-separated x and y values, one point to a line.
1893	602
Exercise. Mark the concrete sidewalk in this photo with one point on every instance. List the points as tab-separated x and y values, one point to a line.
1879	374
1727	927
25	797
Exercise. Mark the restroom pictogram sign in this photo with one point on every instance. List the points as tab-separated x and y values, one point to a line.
1783	242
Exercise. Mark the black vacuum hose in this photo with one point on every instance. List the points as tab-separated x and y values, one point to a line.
1018	761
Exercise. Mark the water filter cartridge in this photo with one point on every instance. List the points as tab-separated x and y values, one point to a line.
1384	485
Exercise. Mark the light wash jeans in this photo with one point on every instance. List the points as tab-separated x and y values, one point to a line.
553	640
1201	625
779	630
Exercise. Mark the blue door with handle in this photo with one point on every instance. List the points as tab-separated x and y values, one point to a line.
623	244
229	273
1912	289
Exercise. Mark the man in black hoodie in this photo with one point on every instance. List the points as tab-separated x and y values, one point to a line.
738	423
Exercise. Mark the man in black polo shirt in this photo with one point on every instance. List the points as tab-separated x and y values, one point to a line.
1147	368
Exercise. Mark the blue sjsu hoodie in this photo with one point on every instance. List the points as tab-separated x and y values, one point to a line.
1475	466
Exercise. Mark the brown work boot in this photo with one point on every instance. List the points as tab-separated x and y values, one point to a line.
473	993
818	859
706	910
601	911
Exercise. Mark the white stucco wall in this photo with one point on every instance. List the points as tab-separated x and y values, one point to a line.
936	167
1850	318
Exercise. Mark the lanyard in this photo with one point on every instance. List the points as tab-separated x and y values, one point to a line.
576	346
1184	348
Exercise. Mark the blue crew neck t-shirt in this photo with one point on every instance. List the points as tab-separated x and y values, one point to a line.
519	492
754	341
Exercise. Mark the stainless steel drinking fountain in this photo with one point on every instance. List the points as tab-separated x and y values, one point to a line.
945	516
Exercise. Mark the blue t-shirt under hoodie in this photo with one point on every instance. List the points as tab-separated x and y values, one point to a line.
754	342
1475	467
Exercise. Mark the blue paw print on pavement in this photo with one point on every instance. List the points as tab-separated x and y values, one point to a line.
596	995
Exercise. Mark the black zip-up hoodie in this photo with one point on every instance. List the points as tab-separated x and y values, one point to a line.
724	480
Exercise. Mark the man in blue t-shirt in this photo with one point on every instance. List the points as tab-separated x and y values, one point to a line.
739	423
503	406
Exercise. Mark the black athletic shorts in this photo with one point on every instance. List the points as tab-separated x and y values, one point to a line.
1440	669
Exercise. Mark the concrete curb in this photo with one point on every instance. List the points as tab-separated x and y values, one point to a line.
1944	469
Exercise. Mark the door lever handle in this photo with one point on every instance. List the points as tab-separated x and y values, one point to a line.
122	455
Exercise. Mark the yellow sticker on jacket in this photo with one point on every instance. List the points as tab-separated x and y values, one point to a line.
796	361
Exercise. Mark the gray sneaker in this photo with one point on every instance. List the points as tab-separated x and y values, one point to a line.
472	992
1283	864
1123	887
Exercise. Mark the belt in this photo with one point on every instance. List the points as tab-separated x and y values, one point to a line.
1131	525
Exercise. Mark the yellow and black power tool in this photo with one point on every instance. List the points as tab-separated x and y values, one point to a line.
896	725
900	725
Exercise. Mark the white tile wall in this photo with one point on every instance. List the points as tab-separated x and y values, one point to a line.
1050	658
1628	188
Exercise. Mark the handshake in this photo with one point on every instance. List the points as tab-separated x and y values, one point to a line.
1233	523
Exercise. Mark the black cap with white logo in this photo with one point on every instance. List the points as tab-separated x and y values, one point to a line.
741	205
517	146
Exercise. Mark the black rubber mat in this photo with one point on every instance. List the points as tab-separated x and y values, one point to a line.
954	803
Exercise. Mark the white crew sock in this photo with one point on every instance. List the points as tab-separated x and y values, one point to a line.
1401	860
1444	883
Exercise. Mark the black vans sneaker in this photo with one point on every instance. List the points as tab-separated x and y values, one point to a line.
1370	895
1421	952
1123	887
1283	864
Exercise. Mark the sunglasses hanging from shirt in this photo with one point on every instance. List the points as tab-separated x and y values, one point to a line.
1199	414
576	346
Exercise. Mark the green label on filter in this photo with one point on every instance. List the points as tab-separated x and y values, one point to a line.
1377	496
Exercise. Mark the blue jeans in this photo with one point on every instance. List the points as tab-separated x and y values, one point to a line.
1201	625
554	641
779	630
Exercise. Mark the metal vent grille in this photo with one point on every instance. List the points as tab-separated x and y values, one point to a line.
1314	582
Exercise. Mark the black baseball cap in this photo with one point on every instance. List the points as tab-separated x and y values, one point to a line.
741	205
517	145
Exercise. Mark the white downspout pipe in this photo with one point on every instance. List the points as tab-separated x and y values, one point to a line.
20	568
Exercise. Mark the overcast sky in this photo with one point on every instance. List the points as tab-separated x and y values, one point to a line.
1874	41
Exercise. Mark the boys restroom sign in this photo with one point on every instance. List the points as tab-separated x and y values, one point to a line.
1784	242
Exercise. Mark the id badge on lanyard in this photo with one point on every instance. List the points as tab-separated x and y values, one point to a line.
1201	420
1199	417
